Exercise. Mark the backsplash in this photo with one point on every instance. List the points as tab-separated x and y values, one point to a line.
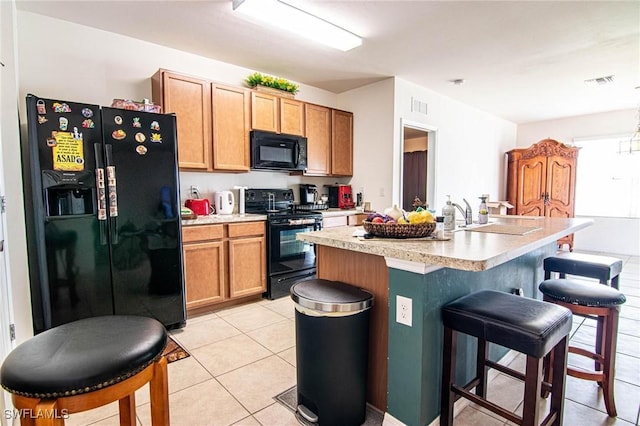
209	183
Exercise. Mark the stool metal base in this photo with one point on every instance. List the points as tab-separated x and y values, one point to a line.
52	412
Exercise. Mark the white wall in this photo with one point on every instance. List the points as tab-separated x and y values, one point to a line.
608	234
566	129
372	107
15	244
470	145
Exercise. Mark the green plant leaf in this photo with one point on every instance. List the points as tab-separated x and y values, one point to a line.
280	83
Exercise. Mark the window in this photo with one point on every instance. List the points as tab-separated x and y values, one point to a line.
608	179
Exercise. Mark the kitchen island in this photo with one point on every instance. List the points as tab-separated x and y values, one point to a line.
405	360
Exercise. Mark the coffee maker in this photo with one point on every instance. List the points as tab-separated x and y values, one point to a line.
340	197
308	193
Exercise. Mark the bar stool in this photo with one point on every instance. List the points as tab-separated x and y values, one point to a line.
584	298
86	364
529	326
605	269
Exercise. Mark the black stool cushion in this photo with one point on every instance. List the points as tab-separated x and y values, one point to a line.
581	293
585	265
83	356
526	325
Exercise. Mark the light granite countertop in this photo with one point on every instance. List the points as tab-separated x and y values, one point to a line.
223	218
465	250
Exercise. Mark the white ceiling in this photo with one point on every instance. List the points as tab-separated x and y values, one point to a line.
522	60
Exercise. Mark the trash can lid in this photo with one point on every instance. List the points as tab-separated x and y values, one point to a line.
330	296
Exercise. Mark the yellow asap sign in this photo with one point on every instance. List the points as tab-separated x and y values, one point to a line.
68	152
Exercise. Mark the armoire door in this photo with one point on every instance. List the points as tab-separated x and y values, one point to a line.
532	178
561	175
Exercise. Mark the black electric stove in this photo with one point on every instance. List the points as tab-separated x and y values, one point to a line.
288	259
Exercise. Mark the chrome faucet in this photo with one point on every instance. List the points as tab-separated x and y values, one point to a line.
466	213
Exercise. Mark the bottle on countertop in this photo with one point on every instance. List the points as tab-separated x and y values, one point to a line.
449	213
440	227
483	211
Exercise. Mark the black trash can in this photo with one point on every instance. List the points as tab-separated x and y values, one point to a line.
332	341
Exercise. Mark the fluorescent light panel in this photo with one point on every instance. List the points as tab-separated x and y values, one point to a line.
290	18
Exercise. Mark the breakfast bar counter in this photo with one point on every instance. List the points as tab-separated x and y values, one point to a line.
405	349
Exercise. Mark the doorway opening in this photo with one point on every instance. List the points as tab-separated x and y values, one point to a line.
417	170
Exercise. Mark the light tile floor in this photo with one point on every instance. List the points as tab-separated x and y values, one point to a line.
243	356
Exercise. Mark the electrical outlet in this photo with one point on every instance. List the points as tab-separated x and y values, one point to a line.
404	311
518	291
381	191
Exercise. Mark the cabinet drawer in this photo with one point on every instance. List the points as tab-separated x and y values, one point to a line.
246	229
202	233
331	222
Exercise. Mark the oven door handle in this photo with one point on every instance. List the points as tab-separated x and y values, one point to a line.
314	226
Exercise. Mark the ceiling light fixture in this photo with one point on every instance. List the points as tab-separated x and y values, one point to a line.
290	18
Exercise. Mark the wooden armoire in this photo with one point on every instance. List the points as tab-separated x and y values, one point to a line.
541	181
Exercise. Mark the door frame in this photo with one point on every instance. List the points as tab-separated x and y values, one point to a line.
432	164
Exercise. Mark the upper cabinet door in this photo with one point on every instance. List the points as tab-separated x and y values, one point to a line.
318	131
341	143
291	117
264	112
230	128
190	99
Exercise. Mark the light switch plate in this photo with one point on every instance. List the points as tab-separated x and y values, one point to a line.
404	311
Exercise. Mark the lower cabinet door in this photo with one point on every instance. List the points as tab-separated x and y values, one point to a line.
204	270
247	266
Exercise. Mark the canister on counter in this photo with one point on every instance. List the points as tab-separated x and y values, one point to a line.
440	227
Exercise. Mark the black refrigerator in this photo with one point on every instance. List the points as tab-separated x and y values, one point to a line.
104	229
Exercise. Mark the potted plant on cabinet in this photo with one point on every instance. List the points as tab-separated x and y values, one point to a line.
275	85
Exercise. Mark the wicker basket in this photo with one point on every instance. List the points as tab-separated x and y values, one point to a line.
399	230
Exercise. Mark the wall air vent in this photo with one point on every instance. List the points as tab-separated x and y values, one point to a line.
418	106
599	81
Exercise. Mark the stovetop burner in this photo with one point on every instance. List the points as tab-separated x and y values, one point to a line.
275	203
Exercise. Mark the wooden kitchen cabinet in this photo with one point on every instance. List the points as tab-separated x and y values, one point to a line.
541	181
329	141
265	112
318	132
223	262
274	114
247	259
291	117
230	115
204	265
190	99
212	119
341	143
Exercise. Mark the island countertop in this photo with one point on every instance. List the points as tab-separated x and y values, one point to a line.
465	249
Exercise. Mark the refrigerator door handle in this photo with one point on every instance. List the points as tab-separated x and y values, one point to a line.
113	196
101	195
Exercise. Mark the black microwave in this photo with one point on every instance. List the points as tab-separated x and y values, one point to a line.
278	151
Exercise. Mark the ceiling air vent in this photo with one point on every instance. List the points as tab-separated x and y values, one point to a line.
599	81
